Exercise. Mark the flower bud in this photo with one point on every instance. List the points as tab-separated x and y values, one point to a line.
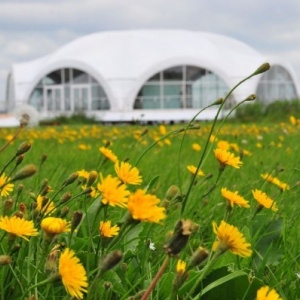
8	204
65	210
70	179
263	68
44	158
25	172
22	207
250	97
66	197
19	159
23	148
92	178
218	101
110	260
199	256
5	260
172	192
76	219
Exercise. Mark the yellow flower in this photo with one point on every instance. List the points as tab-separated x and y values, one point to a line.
226	158
108	154
223	145
127	173
55	226
192	169
18	227
44	206
234	198
162	129
264	200
268	177
113	191
196	147
106	230
5	189
230	238
180	266
144	207
266	293
293	120
73	274
83	173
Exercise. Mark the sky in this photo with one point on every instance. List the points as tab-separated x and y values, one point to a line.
31	29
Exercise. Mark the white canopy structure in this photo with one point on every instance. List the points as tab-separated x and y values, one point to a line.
147	75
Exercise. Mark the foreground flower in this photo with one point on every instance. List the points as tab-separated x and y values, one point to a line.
268	177
226	158
264	200
55	226
113	191
108	154
5	189
127	173
72	273
230	238
192	169
266	293
234	198
106	230
18	227
144	207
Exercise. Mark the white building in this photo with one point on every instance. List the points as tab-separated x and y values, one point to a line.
146	75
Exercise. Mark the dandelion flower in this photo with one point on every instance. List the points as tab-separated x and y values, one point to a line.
144	207
127	173
264	200
5	189
55	226
223	145
44	205
196	147
106	230
230	238
113	191
18	227
73	274
108	154
266	293
226	158
192	169
268	177
234	198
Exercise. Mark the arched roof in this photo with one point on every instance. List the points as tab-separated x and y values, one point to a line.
123	60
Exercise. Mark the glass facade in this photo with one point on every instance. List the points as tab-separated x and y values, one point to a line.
276	84
68	90
181	87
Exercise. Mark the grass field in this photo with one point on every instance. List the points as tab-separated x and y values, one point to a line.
161	154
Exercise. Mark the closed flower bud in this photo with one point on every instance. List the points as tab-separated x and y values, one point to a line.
250	97
70	179
92	178
64	212
172	192
44	158
199	256
19	159
22	207
23	148
20	188
25	172
218	101
32	196
5	260
76	219
263	68
8	204
107	285
66	197
110	260
18	214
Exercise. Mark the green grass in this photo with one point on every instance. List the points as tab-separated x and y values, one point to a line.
164	157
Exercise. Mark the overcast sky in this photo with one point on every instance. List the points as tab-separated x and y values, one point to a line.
30	29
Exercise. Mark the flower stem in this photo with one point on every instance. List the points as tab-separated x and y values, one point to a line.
156	278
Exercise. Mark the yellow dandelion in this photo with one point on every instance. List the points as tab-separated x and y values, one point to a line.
223	145
108	154
144	207
226	158
230	238
162	129
44	205
234	198
127	173
5	188
264	200
83	173
196	147
18	227
113	191
192	169
108	231
293	120
55	226
73	274
266	293
268	177
180	266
